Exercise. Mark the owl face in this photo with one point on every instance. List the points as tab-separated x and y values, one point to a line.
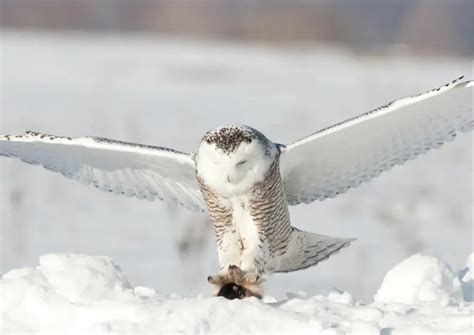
232	159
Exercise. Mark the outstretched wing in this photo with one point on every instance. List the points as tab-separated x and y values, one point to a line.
134	170
331	161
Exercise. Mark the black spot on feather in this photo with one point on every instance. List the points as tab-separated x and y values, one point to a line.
229	138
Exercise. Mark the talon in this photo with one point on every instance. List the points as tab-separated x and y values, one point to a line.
215	280
250	278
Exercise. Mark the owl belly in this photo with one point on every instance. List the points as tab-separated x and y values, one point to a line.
254	252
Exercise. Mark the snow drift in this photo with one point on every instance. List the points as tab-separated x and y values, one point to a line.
419	279
81	294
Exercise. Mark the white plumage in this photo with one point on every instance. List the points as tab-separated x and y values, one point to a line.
340	157
133	170
247	182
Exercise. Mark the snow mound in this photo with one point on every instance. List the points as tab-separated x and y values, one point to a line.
467	279
469	275
419	279
80	294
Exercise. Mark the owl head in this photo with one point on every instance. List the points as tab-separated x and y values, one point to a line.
231	159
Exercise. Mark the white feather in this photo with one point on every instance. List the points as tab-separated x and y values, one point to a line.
134	170
340	157
222	171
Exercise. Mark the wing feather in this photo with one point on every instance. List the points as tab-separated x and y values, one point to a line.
133	170
335	159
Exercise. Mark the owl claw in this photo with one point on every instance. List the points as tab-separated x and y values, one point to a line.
235	273
250	278
236	284
217	279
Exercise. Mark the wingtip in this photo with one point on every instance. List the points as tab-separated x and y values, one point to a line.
455	81
458	82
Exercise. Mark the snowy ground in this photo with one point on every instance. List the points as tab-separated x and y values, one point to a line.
80	294
168	92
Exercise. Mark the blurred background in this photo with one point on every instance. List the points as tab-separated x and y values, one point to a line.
164	72
366	25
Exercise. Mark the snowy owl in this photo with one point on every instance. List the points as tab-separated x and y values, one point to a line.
246	182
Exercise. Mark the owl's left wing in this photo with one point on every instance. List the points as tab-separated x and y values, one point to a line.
333	160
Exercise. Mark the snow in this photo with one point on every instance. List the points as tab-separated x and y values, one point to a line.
169	92
81	294
469	275
419	279
467	279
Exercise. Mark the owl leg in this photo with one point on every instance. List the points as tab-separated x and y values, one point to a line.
229	252
234	282
252	263
245	277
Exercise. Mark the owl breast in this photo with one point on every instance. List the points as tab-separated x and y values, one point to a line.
269	210
256	219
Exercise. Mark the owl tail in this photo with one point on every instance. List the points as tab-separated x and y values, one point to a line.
307	249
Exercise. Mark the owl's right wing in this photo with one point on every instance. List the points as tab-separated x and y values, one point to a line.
335	159
134	170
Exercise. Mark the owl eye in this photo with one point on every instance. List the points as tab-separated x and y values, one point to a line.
241	163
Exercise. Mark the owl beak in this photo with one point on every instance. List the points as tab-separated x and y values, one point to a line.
228	179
